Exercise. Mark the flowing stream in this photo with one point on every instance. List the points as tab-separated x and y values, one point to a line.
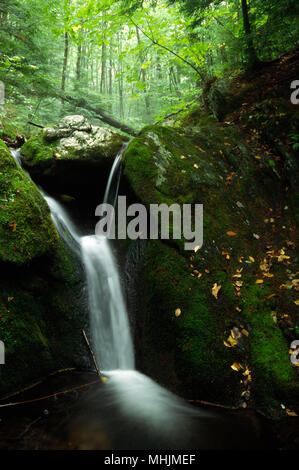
139	413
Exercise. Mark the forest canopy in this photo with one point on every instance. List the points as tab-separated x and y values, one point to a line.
134	60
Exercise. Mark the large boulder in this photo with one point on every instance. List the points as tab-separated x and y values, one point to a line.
216	324
42	313
41	285
73	156
26	228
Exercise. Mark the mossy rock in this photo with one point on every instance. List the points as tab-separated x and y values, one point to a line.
213	165
72	157
42	314
26	228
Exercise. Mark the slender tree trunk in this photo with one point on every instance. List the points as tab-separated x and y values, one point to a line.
143	73
120	82
103	69
65	64
65	61
252	58
78	66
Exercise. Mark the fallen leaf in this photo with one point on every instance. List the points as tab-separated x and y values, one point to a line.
290	412
259	281
237	366
196	248
13	225
178	312
231	234
215	290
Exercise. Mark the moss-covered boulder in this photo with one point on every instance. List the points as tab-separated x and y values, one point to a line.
216	324
42	301
42	312
72	156
26	228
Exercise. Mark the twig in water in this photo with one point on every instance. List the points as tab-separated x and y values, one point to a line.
92	354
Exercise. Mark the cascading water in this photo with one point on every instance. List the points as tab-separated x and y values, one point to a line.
131	410
108	315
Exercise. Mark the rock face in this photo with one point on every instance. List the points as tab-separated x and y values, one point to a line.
231	346
41	285
72	156
26	227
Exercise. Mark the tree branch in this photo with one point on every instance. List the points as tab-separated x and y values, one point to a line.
167	49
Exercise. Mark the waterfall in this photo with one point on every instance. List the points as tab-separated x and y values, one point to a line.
109	324
137	413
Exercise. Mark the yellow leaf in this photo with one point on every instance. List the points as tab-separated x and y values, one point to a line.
195	165
13	225
296	302
178	312
196	248
231	234
215	290
259	281
232	341
290	412
251	259
237	366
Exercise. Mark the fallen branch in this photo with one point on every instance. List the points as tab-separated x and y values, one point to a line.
35	125
92	354
56	372
82	103
79	387
207	403
22	434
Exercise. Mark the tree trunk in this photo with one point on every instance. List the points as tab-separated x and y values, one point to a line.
252	58
78	66
65	61
143	73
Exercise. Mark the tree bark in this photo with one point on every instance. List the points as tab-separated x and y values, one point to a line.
143	73
65	62
253	60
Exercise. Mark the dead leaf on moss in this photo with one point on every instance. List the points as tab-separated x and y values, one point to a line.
215	290
178	312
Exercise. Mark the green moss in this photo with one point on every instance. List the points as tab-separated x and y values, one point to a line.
23	330
37	151
269	352
190	344
9	130
26	228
